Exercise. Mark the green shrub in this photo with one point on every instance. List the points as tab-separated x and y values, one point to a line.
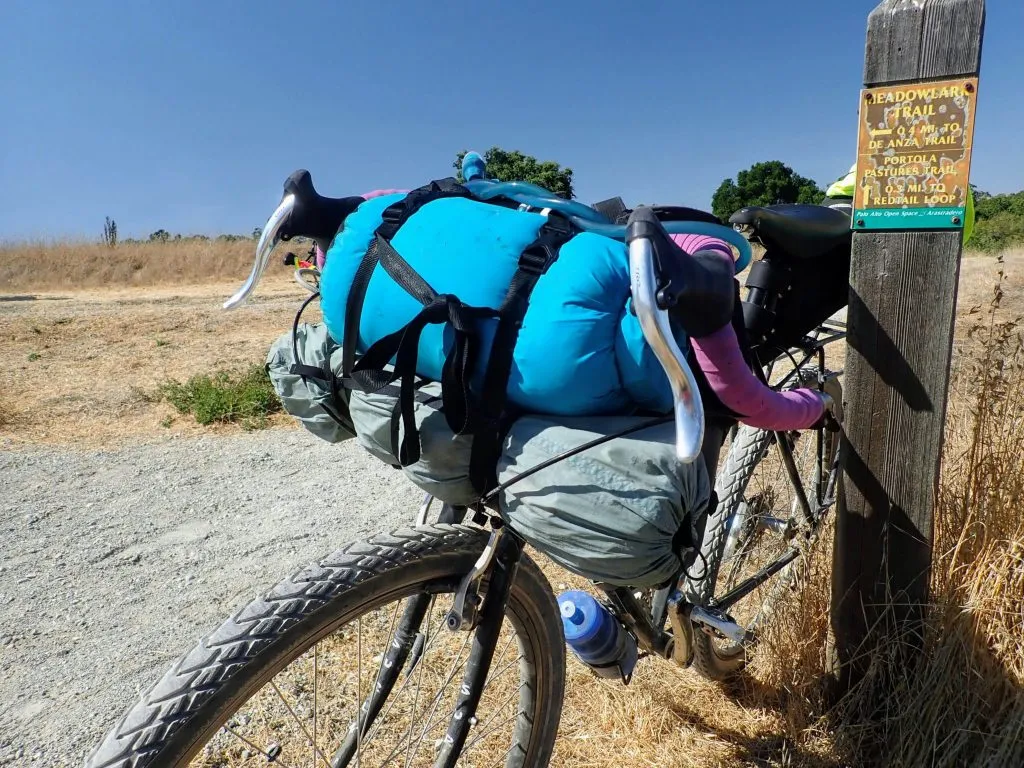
1003	230
247	398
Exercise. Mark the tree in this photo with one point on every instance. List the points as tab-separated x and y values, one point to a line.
980	194
999	221
160	236
505	165
766	183
110	232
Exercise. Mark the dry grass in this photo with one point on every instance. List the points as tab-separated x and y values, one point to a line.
964	703
98	356
40	267
84	368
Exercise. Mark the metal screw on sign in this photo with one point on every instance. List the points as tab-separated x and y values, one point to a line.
956	219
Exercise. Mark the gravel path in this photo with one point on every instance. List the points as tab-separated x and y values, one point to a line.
115	562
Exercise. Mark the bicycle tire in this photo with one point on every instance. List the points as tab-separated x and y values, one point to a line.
176	716
747	449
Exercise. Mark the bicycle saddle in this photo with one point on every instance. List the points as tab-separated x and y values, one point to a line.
799	231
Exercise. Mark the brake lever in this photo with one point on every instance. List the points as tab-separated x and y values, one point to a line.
269	239
654	322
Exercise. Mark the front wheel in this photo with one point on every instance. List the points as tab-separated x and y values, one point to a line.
349	662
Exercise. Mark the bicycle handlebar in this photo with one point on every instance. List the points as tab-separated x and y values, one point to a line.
662	275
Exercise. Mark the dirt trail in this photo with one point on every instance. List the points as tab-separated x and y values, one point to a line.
115	562
82	368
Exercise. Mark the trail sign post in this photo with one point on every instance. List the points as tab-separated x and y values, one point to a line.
922	60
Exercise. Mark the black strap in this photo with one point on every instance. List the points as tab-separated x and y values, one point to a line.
394	216
323	374
396	413
403	346
488	433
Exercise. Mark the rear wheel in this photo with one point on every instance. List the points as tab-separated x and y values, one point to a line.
283	680
757	522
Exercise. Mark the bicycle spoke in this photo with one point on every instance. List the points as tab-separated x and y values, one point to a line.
779	516
448	715
502	756
382	718
271	758
412	717
298	722
494	714
359	697
440	693
504	669
501	655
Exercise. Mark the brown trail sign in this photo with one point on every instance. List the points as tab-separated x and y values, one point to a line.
921	63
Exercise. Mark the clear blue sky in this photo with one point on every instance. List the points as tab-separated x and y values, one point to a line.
187	115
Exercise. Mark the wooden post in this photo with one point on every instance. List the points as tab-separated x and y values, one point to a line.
903	286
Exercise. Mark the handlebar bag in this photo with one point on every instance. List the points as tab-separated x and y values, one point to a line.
510	311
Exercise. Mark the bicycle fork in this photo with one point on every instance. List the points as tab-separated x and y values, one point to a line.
492	575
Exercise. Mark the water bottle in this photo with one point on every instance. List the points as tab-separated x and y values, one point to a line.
596	637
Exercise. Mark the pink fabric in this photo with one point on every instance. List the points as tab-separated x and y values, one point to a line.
719	356
379	192
694	243
730	378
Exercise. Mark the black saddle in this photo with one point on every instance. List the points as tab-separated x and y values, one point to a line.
799	231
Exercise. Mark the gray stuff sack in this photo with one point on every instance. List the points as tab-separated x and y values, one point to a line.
319	404
625	512
333	413
443	468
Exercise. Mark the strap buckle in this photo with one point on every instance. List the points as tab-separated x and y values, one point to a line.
558	228
536	259
394	214
542	253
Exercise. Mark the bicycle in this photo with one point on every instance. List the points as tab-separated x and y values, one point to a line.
305	270
447	587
